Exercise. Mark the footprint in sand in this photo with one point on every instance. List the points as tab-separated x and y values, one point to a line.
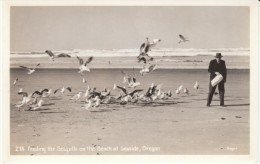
222	118
238	117
98	138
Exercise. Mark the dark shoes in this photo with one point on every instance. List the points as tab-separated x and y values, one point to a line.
208	105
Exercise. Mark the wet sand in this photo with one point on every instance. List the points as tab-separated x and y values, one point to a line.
181	125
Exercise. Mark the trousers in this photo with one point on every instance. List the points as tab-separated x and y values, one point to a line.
221	89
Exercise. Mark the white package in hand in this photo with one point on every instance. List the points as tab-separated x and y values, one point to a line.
216	80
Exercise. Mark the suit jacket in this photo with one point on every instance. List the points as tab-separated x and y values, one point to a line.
214	66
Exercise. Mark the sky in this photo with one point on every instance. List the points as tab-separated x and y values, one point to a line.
38	28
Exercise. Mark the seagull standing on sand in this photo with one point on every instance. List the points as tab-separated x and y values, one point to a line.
88	104
196	86
22	103
177	91
83	66
15	81
87	92
182	39
36	106
84	80
20	90
186	91
52	56
76	97
92	103
30	70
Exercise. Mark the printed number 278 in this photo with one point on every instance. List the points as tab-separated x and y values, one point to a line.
19	148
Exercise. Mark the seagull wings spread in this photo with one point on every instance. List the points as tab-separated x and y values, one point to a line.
89	60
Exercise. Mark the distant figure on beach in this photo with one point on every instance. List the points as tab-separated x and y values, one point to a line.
217	67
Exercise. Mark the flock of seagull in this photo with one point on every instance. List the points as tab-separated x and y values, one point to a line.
93	97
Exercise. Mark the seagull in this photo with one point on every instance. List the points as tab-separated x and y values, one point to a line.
127	78
76	97
15	81
126	95
24	94
88	104
97	99
84	80
145	58
143	48
183	39
180	87
148	68
185	90
92	103
83	66
152	92
87	92
154	43
196	86
34	101
131	81
104	93
30	70
157	95
146	47
20	90
36	106
43	92
52	56
22	103
177	91
62	90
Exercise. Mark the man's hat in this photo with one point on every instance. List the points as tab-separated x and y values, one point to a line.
218	55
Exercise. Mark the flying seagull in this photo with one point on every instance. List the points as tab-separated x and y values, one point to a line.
83	66
147	69
52	56
62	90
183	39
15	81
146	47
143	46
30	70
43	93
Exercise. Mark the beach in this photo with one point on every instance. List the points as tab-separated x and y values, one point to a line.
181	125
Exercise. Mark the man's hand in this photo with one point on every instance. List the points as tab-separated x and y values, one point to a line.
217	73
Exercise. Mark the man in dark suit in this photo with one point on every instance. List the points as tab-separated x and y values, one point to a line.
216	67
